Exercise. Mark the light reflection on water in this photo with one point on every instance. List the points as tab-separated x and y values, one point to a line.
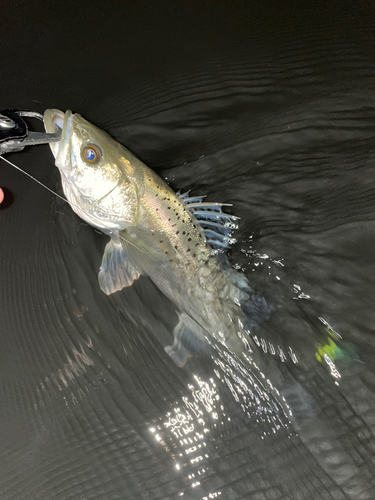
258	399
185	429
188	429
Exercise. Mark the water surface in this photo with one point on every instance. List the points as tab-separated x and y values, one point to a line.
271	111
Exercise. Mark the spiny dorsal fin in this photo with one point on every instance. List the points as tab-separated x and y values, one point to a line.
216	224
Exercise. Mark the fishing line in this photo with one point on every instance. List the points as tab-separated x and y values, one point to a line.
34	179
59	196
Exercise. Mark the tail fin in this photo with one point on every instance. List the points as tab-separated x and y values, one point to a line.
257	309
254	305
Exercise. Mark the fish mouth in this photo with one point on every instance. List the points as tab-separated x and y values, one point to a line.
63	120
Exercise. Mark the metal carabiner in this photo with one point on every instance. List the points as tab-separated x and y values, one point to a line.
15	135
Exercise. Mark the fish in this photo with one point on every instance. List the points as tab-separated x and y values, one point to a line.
177	240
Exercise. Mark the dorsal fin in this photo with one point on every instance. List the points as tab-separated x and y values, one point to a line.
216	224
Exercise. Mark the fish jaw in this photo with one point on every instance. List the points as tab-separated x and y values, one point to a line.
103	193
60	149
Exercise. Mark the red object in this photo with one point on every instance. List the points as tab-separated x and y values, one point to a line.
1	195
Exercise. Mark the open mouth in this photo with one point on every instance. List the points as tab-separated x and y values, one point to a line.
64	121
52	117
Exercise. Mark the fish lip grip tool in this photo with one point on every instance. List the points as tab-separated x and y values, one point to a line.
15	134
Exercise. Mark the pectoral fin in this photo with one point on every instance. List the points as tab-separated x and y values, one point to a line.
116	271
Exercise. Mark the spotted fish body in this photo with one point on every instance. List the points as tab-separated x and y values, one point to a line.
181	264
155	232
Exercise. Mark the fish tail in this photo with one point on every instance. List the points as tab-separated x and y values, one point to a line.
256	308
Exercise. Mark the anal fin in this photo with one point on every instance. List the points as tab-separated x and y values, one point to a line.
186	341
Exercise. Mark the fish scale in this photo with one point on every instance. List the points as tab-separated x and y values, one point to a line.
163	213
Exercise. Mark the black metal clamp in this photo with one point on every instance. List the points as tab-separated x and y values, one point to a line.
14	132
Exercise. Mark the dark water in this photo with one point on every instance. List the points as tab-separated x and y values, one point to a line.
268	108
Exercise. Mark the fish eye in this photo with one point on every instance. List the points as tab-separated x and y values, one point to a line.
91	153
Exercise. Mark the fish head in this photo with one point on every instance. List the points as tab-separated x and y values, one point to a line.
98	177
